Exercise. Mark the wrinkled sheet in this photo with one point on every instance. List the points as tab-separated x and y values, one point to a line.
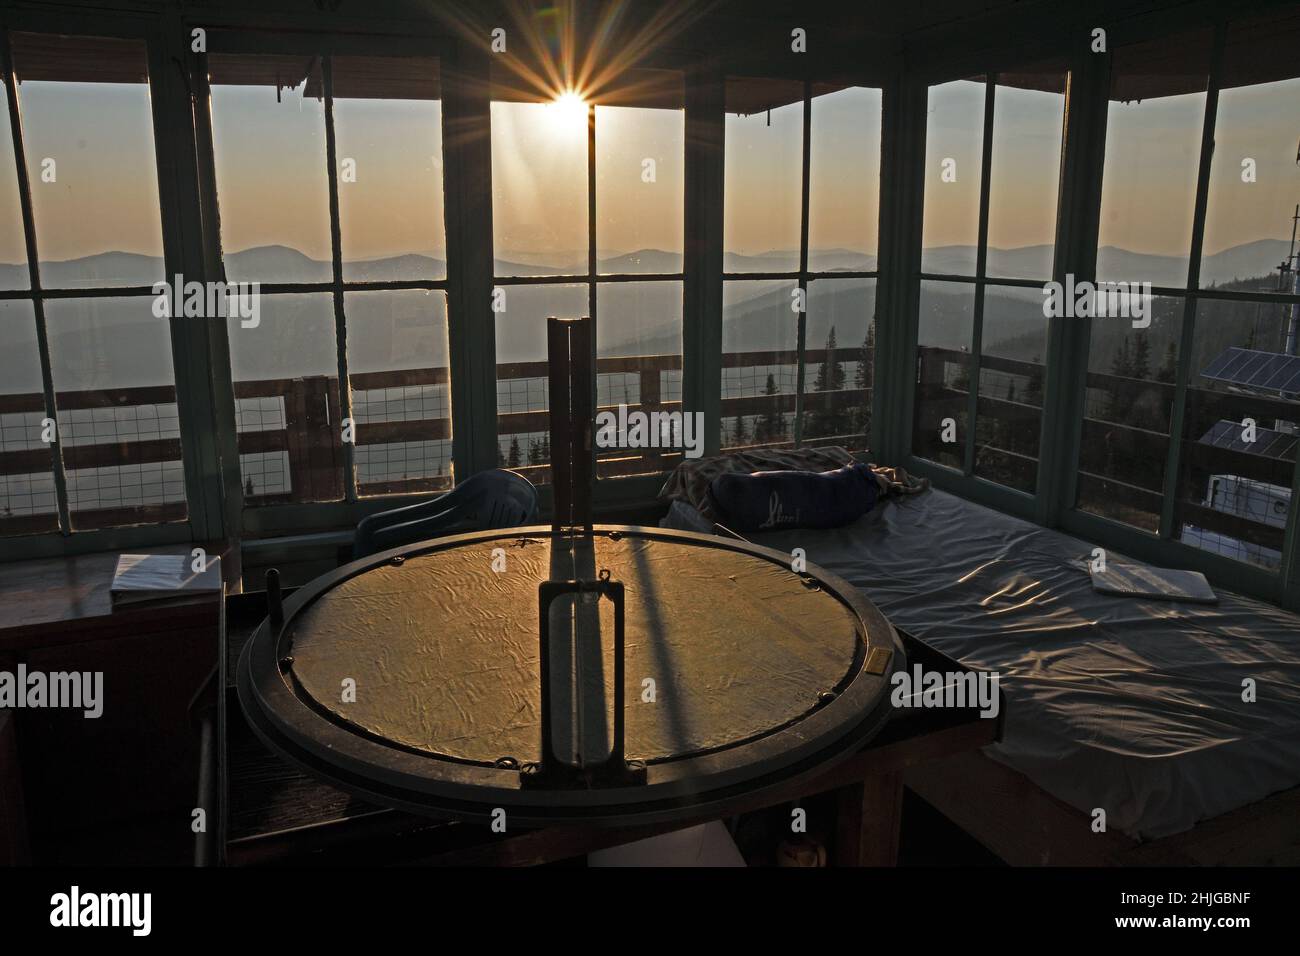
1131	705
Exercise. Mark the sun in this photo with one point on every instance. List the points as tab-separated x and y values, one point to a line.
568	110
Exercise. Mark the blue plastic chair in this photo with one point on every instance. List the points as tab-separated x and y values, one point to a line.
489	499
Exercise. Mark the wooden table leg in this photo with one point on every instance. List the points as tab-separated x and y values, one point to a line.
867	818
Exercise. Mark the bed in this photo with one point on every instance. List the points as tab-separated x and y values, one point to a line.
1131	706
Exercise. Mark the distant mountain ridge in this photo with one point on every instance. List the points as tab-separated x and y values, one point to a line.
278	263
1113	263
115	342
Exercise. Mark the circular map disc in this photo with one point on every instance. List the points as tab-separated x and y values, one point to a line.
414	676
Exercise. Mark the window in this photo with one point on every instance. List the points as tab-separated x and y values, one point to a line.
29	500
588	206
798	313
992	177
1153	136
1128	410
1239	435
1191	424
1153	147
342	385
945	326
89	432
1241	420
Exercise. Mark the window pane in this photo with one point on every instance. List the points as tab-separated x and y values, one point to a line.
28	502
13	249
1011	387
88	135
639	364
1254	178
388	137
760	363
639	189
268	143
944	334
285	374
1240	432
954	143
116	397
838	369
523	419
539	187
1153	146
401	401
844	180
763	178
1024	179
1127	407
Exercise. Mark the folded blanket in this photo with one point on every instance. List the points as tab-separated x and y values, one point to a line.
771	500
690	481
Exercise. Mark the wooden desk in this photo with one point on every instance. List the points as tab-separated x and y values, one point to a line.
272	813
139	756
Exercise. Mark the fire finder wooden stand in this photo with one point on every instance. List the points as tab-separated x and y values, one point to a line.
570	357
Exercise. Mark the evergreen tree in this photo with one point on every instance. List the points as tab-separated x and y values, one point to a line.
1123	363
824	418
1142	357
1169	371
863	377
738	436
860	415
1117	400
513	459
830	376
771	427
1034	387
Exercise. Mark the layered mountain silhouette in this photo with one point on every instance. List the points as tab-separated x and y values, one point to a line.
115	341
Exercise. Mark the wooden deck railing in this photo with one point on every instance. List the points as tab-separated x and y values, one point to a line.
309	433
940	395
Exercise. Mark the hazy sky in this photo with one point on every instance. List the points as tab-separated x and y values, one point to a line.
1027	127
1152	153
104	194
539	180
764	175
272	183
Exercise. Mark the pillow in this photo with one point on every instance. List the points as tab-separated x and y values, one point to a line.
775	500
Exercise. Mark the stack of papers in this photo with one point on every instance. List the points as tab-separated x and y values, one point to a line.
156	579
1142	580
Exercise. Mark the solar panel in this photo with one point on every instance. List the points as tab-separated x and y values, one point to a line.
1248	368
1268	443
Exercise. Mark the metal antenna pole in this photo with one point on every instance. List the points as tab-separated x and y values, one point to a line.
1292	263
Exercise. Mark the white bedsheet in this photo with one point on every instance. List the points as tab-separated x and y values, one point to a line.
1134	706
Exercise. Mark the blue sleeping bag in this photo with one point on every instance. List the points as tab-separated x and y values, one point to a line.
771	500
